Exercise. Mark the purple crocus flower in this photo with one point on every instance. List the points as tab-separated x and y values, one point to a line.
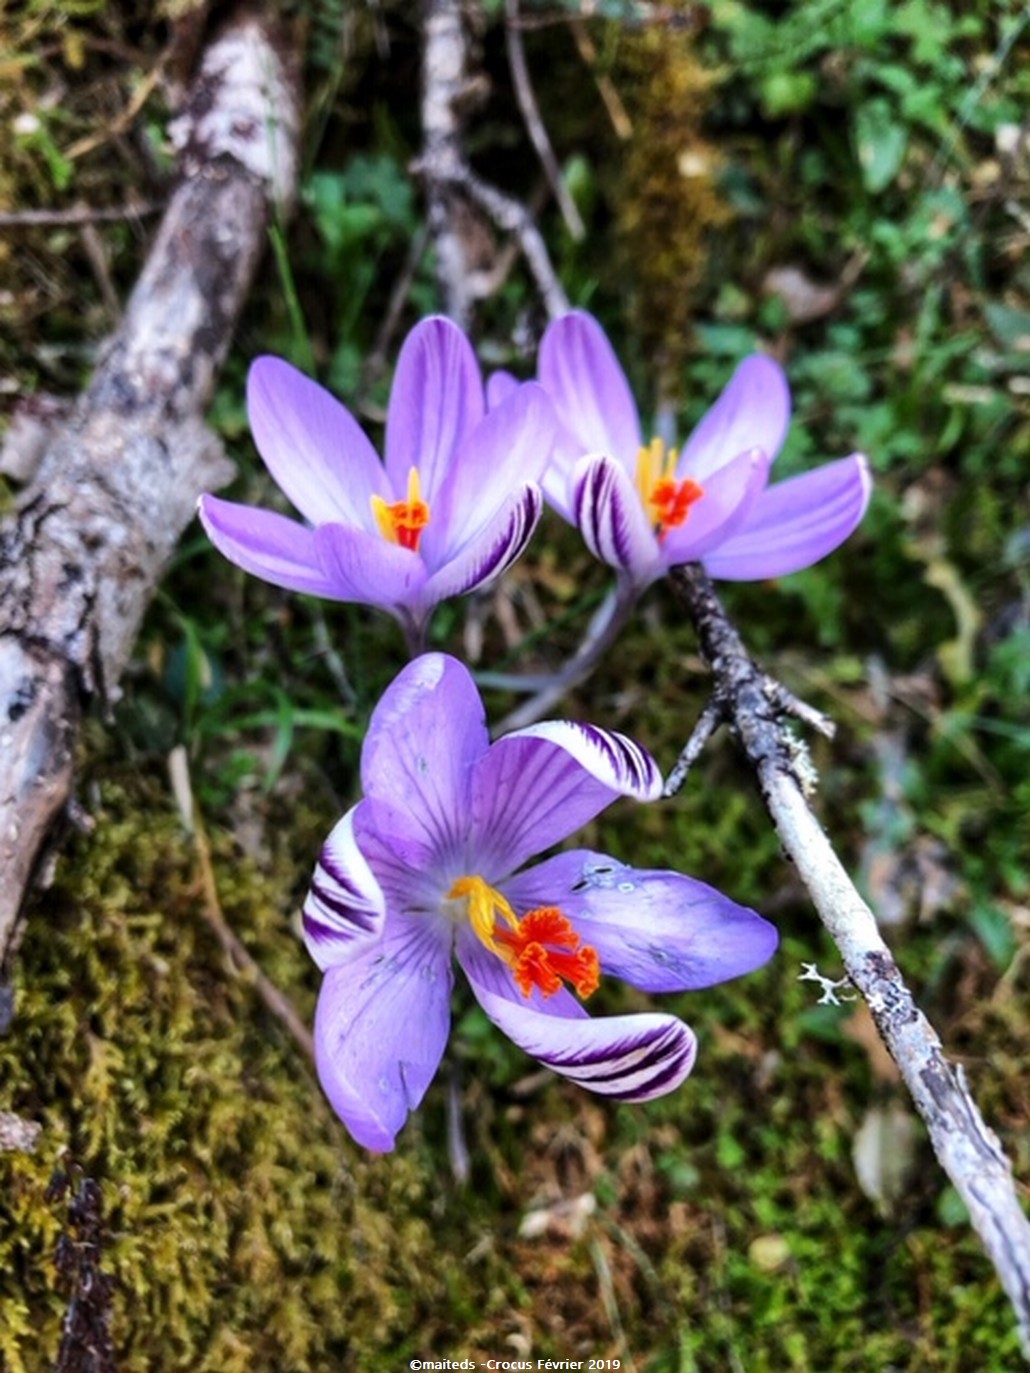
430	864
454	504
643	508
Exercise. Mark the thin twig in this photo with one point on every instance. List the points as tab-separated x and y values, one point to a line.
508	214
241	960
535	125
78	214
375	364
968	1150
621	122
122	122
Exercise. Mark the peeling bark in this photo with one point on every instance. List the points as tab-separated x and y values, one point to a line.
119	480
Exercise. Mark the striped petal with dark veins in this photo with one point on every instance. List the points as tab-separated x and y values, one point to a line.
629	1057
536	786
345	908
490	551
610	515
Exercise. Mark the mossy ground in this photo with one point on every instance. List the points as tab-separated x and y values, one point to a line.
723	1227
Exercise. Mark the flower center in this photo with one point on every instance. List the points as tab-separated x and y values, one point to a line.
402	522
666	500
542	949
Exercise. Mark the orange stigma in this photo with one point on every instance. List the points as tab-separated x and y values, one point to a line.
402	522
665	499
542	949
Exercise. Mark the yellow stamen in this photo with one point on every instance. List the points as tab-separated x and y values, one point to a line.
666	500
402	522
542	949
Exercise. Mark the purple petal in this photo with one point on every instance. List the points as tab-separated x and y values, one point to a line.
345	908
435	402
729	496
367	568
536	786
313	447
581	373
402	857
607	508
267	545
381	1028
659	931
629	1057
795	523
490	551
499	386
499	457
423	740
557	476
752	412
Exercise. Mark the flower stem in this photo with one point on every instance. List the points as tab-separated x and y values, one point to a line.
602	632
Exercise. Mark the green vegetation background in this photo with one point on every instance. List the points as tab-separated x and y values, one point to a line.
841	183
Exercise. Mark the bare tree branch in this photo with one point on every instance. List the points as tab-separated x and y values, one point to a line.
535	125
445	84
119	481
968	1150
453	190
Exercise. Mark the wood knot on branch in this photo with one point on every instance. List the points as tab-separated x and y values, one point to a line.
754	704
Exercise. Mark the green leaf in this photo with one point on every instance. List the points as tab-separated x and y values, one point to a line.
994	930
787	92
881	142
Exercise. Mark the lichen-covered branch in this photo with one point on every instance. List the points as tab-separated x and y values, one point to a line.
119	479
968	1150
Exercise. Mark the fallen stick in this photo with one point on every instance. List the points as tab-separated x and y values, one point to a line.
968	1150
119	480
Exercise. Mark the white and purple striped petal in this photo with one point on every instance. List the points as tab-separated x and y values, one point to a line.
381	1028
659	931
610	515
491	550
628	1057
536	786
795	522
345	907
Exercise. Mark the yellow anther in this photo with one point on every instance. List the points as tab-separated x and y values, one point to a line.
402	522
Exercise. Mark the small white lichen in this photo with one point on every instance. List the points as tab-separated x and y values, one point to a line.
831	995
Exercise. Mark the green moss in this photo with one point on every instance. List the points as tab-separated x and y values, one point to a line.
666	200
245	1232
